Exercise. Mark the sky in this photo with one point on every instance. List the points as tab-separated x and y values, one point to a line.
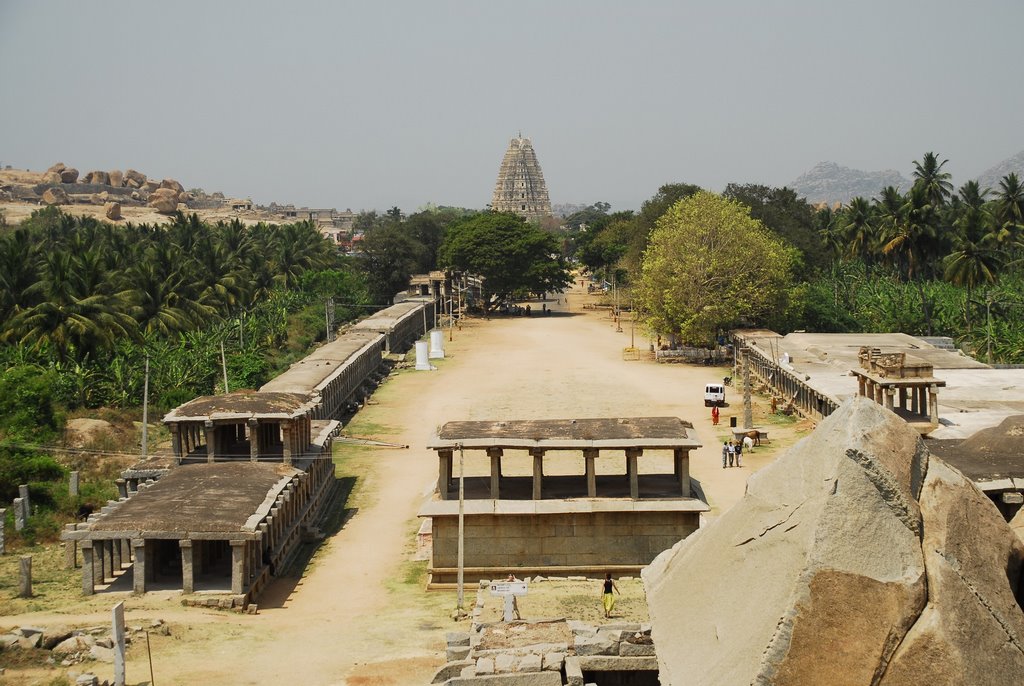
368	105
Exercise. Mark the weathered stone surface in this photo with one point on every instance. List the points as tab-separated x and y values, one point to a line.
54	636
821	556
505	663
97	177
531	679
529	663
75	644
485	665
553	661
151	186
9	641
824	557
164	200
112	210
51	177
116	177
101	654
59	167
596	645
69	175
457	638
627	649
30	641
55	196
173	185
134	179
452	669
456	653
972	631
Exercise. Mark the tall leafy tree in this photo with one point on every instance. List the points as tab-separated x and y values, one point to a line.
710	266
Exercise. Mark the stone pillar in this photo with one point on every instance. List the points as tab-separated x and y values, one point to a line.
26	505
444	472
933	403
538	473
889	391
108	559
634	484
860	386
748	407
139	568
126	551
914	400
98	573
19	515
70	549
73	484
25	580
681	457
238	567
176	441
187	577
903	397
122	488
495	455
254	440
589	457
211	441
287	438
115	555
88	576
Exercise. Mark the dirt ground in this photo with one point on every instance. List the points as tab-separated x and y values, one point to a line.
359	615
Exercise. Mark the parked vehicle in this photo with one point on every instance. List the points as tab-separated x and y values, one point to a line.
714	395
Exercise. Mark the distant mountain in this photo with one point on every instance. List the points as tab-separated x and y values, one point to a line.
991	176
829	182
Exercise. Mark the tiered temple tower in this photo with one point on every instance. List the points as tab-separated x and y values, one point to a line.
520	187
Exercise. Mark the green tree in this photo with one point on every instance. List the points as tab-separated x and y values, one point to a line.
934	182
785	214
389	257
511	254
710	266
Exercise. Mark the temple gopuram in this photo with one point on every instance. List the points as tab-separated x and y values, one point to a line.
520	188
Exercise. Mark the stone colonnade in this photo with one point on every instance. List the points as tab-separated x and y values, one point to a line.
255	556
920	398
808	401
681	471
339	388
293	435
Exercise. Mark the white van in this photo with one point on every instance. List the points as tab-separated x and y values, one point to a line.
714	394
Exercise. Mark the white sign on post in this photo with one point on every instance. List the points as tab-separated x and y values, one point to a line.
509	590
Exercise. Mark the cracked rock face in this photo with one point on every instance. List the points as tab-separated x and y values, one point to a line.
856	558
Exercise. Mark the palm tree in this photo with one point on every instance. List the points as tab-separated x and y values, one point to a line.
1008	212
857	226
929	175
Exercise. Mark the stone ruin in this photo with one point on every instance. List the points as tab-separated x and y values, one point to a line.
547	652
855	558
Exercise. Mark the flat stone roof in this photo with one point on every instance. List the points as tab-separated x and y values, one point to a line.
219	500
242	405
447	508
568	434
976	396
386	319
318	366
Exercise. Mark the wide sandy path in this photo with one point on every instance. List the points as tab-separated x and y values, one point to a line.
337	625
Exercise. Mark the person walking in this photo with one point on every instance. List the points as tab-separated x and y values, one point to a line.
607	599
739	452
731	447
714	415
725	453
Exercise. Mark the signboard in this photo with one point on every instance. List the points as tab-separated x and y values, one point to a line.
512	588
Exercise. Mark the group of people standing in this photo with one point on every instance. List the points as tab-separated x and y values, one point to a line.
732	451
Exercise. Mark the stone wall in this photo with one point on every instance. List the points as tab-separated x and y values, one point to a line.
571	539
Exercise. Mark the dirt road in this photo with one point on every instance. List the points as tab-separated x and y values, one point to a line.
344	622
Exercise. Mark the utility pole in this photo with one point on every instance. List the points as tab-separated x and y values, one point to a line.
145	411
224	366
460	579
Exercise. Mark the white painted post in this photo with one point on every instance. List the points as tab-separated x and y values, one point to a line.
117	623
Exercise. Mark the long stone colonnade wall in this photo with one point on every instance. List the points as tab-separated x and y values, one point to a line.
338	390
809	402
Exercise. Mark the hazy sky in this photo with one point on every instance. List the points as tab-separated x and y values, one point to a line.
374	104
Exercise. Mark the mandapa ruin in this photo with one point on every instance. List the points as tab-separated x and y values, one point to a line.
520	188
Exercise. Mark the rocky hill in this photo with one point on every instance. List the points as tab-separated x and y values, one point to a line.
830	183
991	176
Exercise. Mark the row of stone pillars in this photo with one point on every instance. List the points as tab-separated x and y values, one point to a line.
294	436
681	471
101	558
919	399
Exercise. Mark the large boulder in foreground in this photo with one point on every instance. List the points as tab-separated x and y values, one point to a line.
165	200
855	558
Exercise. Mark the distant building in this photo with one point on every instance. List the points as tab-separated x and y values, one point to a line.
520	187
